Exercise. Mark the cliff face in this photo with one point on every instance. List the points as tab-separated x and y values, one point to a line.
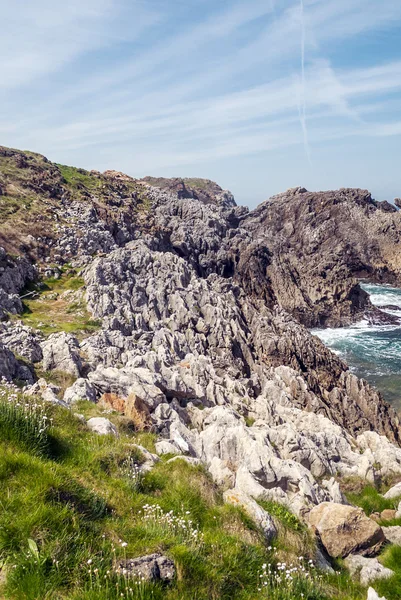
321	244
201	306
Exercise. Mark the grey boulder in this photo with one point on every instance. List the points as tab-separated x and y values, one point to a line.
102	426
365	569
61	353
153	567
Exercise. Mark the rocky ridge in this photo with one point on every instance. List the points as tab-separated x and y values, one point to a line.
203	307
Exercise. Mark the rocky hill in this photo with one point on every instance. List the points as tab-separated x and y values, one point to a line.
166	302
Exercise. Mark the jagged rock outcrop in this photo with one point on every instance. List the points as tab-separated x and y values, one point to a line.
311	249
203	306
8	364
15	273
21	340
61	352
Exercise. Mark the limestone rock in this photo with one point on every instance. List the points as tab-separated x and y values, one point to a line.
135	384
8	364
153	567
345	530
373	595
21	340
388	514
47	391
365	569
61	353
81	389
166	447
190	460
150	458
394	492
253	510
102	426
393	534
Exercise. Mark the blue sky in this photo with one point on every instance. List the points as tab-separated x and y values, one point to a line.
258	95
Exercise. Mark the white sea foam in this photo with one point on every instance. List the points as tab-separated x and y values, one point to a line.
372	351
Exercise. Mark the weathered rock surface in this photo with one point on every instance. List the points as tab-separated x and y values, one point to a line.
61	353
153	567
393	534
346	530
203	306
21	340
15	273
365	569
47	391
81	389
393	492
102	426
253	510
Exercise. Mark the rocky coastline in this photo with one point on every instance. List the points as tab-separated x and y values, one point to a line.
202	311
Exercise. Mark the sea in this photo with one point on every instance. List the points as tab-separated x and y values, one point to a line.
372	352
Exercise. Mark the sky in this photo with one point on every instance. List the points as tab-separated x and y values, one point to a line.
259	96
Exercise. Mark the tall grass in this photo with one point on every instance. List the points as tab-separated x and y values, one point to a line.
23	422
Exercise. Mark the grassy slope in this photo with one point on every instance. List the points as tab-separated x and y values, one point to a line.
31	188
75	502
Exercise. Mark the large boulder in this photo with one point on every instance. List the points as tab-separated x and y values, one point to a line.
153	567
365	569
61	353
135	386
345	530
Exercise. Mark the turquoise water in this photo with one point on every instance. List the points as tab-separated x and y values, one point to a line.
372	351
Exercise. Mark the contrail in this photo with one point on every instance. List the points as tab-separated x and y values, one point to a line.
302	108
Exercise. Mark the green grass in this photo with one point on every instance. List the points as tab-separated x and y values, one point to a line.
371	500
79	178
74	503
25	425
50	310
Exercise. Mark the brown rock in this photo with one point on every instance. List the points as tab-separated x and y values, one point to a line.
388	514
346	530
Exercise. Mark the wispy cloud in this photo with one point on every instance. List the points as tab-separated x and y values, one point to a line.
147	85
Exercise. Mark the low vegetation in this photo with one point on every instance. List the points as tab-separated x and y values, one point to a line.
73	502
371	500
58	305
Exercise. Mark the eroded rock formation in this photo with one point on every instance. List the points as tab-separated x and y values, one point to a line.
203	307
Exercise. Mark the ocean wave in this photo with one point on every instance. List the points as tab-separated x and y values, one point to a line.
371	351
